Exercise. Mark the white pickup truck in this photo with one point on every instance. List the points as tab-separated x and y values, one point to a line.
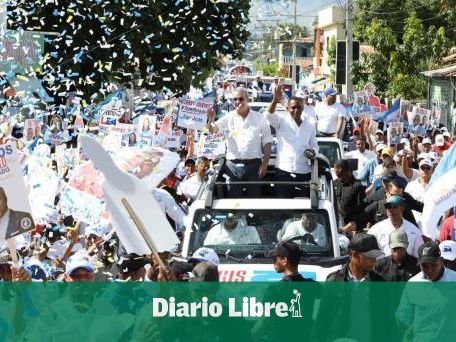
266	219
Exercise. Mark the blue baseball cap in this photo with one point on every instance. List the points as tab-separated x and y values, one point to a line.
394	201
330	91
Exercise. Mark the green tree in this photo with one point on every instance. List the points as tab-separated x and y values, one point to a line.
408	37
331	50
167	44
290	31
268	69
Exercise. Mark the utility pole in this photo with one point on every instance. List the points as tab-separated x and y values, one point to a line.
295	22
349	48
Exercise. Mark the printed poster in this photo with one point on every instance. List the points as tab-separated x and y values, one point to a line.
83	196
395	130
192	114
211	145
13	194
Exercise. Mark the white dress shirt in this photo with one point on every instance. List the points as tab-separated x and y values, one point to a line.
292	141
190	186
245	138
296	228
242	235
383	229
169	206
328	116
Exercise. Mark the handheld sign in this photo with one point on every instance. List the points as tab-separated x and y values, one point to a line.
135	214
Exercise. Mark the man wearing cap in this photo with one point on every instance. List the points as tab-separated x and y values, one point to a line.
330	115
274	85
248	140
395	209
440	145
204	254
231	231
418	187
448	251
79	267
379	137
286	260
387	160
428	312
131	267
399	266
364	252
296	144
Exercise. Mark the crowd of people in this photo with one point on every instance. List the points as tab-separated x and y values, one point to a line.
380	201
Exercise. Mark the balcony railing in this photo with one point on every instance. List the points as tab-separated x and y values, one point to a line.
299	60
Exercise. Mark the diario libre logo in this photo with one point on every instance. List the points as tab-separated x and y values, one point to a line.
248	307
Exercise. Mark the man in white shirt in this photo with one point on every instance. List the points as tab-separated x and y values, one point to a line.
330	115
394	209
296	144
307	227
427	312
418	187
232	231
248	139
361	153
189	187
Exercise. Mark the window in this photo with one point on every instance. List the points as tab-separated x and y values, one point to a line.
253	234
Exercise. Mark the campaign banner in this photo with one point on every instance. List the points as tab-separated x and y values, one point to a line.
211	145
147	125
394	132
13	194
83	196
150	164
43	184
192	114
173	141
32	129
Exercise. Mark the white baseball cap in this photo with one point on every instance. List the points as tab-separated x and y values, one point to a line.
205	254
79	260
379	131
427	141
426	162
446	134
379	147
439	141
448	249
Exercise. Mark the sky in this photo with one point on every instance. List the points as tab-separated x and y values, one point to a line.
262	14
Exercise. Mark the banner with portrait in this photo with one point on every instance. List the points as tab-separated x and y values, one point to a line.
14	201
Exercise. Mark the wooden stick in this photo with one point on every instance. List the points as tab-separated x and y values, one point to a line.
138	223
12	249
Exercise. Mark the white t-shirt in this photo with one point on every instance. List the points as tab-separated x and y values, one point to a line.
383	229
190	186
363	157
245	138
448	275
328	115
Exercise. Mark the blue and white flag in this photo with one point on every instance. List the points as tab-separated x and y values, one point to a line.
393	114
441	194
113	100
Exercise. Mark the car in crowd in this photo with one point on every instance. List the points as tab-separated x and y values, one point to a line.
269	217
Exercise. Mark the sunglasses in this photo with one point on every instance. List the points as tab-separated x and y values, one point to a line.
238	99
391	206
425	168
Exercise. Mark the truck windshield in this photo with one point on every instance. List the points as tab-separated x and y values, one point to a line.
253	234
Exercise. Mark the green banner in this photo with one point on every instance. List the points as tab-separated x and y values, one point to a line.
228	311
